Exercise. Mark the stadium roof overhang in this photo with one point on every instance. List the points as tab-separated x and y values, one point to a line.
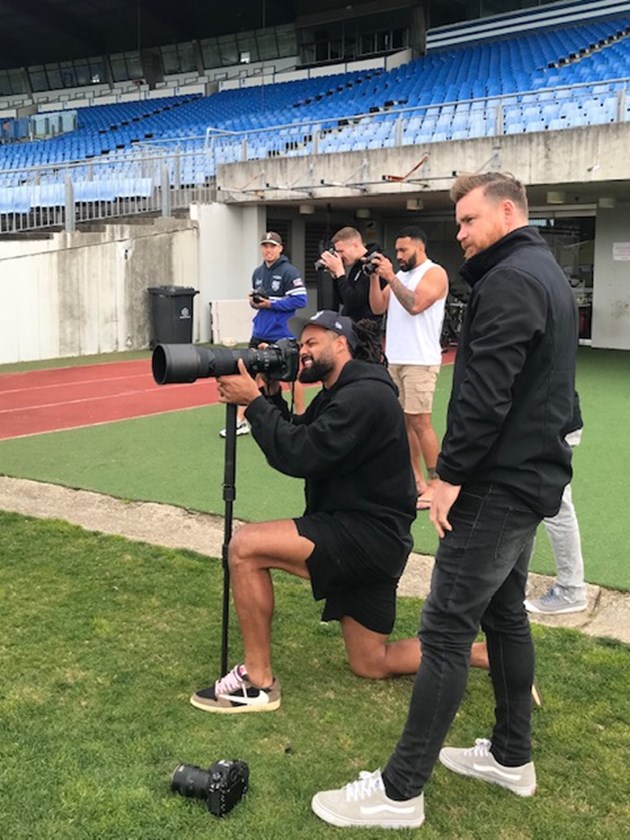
41	31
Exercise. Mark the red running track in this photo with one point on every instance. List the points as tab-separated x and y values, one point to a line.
67	398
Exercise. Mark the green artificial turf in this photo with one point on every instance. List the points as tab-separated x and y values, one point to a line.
179	458
103	640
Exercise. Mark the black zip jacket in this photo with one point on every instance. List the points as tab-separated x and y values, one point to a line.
351	448
512	401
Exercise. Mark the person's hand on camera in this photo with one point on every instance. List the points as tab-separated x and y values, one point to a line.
384	267
333	263
257	302
239	388
266	386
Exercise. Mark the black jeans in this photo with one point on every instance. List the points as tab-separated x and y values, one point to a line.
478	579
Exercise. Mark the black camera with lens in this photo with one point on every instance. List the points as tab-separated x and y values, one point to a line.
222	785
259	295
318	265
187	362
369	266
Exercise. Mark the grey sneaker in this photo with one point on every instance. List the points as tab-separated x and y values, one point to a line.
479	763
242	428
555	602
234	693
364	803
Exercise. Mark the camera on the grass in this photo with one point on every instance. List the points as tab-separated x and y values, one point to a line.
222	785
187	363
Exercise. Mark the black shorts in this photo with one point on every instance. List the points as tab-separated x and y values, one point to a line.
343	573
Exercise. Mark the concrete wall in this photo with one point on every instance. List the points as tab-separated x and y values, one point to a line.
83	293
611	281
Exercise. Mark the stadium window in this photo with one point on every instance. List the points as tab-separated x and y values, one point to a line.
267	45
228	50
287	41
170	59
53	76
37	78
210	53
247	45
12	81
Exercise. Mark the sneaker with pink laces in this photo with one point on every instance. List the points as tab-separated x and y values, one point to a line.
234	693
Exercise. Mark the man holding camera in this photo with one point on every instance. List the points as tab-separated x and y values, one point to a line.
414	300
345	262
278	290
353	540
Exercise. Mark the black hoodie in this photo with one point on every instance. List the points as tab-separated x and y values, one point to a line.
513	386
351	448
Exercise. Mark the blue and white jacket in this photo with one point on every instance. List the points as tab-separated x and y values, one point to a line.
284	286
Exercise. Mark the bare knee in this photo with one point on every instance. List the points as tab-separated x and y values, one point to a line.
242	548
369	668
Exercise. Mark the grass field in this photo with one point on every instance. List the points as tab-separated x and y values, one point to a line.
103	640
178	458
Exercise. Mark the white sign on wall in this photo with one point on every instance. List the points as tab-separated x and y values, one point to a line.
621	251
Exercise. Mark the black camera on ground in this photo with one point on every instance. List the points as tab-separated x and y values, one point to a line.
318	265
222	785
259	295
187	363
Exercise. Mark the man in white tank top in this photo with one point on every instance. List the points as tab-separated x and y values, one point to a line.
414	300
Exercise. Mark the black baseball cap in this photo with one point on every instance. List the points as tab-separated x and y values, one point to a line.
271	238
327	320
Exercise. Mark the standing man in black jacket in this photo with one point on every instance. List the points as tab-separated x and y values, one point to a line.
503	467
346	267
354	538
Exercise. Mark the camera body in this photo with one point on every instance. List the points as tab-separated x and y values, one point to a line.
318	265
222	785
187	362
259	295
369	266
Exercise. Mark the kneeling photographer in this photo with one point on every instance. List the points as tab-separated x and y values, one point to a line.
353	539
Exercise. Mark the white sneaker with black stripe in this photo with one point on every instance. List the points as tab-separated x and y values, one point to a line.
479	763
234	693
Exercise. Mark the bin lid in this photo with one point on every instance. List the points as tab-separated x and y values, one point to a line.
172	291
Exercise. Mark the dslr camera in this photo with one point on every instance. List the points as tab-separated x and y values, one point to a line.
259	295
318	265
222	785
369	266
187	362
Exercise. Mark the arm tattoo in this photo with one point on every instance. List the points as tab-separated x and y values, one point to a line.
406	298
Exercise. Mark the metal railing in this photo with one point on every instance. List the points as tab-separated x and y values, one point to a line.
167	175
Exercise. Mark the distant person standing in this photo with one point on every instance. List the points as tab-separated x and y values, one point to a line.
414	299
278	290
346	267
568	593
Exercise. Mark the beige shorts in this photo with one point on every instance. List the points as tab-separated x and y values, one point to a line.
416	386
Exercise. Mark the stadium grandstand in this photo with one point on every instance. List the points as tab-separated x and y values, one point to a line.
149	144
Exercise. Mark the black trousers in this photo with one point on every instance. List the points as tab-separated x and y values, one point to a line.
478	580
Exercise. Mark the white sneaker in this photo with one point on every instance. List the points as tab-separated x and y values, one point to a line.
364	803
479	763
555	602
242	428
